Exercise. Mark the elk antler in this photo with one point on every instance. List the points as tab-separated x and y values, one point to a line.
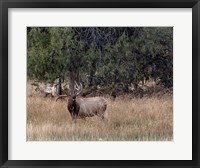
78	89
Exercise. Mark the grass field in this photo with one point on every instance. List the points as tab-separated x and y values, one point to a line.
136	119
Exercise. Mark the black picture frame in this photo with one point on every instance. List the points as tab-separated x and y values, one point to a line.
6	4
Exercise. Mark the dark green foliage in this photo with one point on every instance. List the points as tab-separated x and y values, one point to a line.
104	56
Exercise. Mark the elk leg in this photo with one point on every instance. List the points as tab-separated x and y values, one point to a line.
74	117
84	119
74	120
101	116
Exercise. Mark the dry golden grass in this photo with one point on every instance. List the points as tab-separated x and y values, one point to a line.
146	119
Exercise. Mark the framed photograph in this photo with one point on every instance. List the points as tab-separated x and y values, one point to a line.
104	83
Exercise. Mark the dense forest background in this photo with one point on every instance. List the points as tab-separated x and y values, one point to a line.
101	56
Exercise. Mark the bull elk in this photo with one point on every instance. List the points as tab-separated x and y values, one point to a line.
80	107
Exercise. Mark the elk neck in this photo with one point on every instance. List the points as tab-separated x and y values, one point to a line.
73	106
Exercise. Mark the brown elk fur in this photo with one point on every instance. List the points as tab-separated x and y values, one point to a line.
73	107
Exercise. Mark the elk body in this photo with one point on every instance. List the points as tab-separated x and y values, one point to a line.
80	107
50	90
57	88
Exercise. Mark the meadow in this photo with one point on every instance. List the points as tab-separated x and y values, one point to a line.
126	119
